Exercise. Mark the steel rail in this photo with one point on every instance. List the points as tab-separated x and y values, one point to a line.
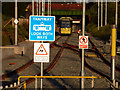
52	64
22	67
86	63
97	52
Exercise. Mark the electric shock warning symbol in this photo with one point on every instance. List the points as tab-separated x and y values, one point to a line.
41	52
83	42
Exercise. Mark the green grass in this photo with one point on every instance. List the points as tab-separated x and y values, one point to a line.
103	33
8	33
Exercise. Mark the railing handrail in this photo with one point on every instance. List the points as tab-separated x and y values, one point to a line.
58	77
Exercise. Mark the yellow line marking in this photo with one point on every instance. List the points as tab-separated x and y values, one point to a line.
90	55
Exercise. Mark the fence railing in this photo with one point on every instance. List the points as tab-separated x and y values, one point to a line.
24	84
58	77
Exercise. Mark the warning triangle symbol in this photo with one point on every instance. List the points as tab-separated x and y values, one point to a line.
41	50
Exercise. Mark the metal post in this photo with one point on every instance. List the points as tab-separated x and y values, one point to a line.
83	32
101	13
116	15
42	42
39	7
98	14
42	8
36	83
41	75
15	23
48	7
93	80
113	53
117	85
24	85
32	7
106	13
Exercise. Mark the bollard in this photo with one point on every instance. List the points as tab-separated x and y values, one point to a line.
93	82
6	86
18	83
36	83
24	85
15	84
11	85
1	87
116	85
113	53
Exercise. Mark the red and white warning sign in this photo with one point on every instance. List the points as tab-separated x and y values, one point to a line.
41	52
83	42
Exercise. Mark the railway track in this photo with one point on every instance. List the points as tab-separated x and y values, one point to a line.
52	64
75	49
20	69
87	65
97	52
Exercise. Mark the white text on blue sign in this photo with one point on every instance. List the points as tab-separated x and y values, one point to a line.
42	28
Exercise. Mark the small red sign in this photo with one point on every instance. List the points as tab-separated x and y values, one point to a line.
83	42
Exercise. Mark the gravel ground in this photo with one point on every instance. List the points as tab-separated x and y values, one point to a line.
105	49
70	65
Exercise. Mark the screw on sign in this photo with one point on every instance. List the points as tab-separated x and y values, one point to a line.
83	42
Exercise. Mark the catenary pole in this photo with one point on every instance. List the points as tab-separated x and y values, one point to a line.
101	13
48	8
106	13
116	15
44	6
15	23
39	7
98	14
32	7
83	32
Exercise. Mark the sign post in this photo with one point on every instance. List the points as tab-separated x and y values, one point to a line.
41	28
83	31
